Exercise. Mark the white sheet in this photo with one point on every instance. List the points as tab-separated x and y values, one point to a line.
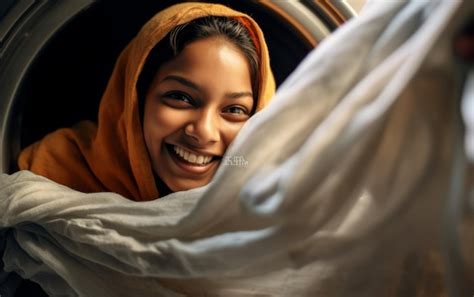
342	191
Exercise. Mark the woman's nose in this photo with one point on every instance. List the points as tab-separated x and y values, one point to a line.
204	129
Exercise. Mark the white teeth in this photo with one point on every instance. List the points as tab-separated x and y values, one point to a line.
200	159
192	158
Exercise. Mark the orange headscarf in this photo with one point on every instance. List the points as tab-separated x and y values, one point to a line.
111	155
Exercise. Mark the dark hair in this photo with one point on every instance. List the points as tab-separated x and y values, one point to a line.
211	26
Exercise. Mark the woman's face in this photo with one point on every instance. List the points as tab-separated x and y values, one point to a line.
194	108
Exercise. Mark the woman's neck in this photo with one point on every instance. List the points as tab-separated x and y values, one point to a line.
163	189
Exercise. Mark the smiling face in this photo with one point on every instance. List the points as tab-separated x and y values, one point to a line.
194	108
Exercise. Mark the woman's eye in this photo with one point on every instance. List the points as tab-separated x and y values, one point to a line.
178	98
237	110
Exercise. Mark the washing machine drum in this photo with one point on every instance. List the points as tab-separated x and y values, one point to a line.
56	56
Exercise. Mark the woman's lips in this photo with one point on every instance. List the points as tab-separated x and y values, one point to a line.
188	166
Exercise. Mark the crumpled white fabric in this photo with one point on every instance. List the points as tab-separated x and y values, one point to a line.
341	192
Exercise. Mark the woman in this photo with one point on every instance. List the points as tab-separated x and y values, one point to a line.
179	93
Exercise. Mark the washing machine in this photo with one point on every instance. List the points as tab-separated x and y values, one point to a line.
57	55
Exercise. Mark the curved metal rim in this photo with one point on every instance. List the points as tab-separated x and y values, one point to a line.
43	21
300	17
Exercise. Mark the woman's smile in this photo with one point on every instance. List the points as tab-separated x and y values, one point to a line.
191	161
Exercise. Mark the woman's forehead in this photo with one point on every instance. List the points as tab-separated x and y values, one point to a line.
209	60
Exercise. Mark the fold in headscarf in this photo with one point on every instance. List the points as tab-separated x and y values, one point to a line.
111	155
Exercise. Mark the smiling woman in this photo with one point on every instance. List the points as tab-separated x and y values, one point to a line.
179	94
193	111
199	99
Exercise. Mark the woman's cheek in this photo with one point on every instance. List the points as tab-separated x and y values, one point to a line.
169	118
230	131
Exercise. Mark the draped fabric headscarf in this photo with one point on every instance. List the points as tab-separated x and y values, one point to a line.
111	155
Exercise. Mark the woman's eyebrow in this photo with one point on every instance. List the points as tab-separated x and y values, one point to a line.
236	95
183	81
